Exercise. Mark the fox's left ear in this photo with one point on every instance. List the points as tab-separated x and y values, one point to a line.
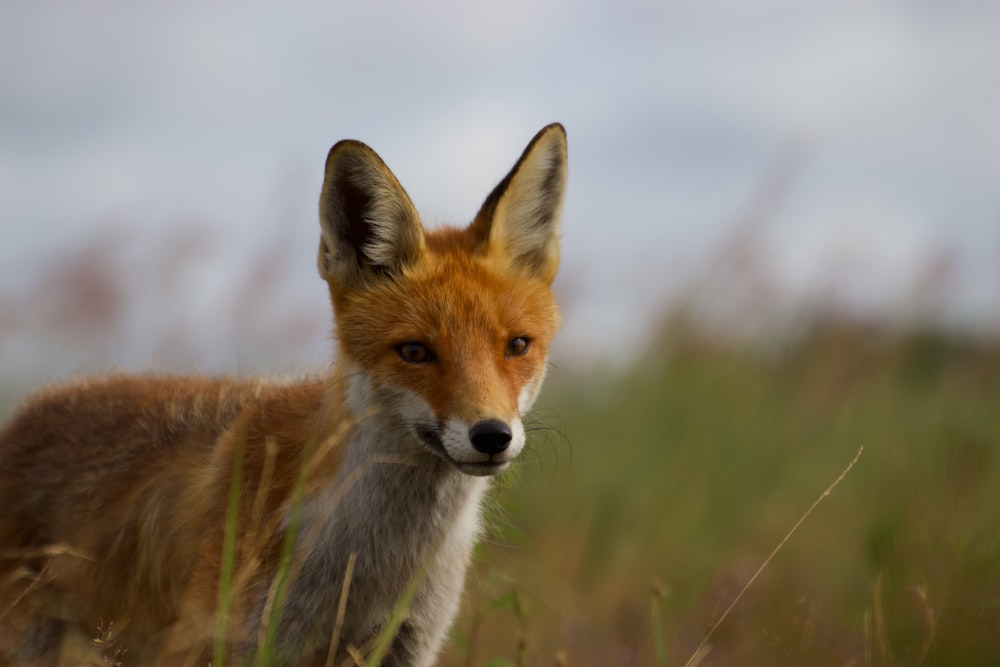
519	221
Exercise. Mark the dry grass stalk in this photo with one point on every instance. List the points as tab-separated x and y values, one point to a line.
698	654
341	610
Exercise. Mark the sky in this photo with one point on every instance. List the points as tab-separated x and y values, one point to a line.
795	153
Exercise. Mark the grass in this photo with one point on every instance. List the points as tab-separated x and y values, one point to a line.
228	560
689	471
636	542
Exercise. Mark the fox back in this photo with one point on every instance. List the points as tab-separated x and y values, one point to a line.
188	519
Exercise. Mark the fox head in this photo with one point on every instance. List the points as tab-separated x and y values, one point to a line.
445	332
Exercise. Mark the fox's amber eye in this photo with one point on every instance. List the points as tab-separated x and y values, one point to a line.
414	353
518	346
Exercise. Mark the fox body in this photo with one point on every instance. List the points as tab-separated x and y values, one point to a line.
193	513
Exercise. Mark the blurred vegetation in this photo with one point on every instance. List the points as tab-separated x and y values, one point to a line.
675	481
648	499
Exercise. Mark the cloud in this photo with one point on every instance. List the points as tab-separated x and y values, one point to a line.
135	116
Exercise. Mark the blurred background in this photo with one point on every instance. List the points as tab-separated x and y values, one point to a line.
781	242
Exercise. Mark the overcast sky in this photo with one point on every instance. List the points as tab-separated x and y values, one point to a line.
135	122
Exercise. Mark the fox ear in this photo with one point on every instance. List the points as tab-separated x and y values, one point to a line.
368	224
520	218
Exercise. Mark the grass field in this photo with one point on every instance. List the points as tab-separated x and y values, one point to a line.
648	499
622	543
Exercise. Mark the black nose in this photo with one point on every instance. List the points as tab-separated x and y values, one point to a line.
490	436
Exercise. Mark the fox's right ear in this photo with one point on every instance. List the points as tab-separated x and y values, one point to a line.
368	224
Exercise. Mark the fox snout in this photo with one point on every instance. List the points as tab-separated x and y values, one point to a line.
490	436
487	447
483	449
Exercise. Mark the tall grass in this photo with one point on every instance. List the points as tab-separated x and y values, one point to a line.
690	469
228	558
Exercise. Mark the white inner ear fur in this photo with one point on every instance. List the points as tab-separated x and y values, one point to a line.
395	236
527	216
395	224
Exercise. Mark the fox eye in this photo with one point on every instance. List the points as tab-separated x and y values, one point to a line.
518	346
414	353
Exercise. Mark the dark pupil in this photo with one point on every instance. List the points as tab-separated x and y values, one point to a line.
518	346
413	352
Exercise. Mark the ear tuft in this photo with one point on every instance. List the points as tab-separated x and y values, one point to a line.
368	224
520	219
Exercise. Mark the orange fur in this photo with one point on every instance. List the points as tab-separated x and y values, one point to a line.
115	490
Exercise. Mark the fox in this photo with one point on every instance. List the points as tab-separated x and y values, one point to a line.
214	520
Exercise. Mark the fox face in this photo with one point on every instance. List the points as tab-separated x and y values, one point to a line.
445	333
458	362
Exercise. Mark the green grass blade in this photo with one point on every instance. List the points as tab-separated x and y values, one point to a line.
228	557
399	612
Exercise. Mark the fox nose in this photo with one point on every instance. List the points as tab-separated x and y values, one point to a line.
490	436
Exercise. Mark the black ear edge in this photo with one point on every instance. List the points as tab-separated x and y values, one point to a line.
368	223
486	211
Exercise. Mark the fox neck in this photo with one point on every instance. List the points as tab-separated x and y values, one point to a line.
378	447
395	505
